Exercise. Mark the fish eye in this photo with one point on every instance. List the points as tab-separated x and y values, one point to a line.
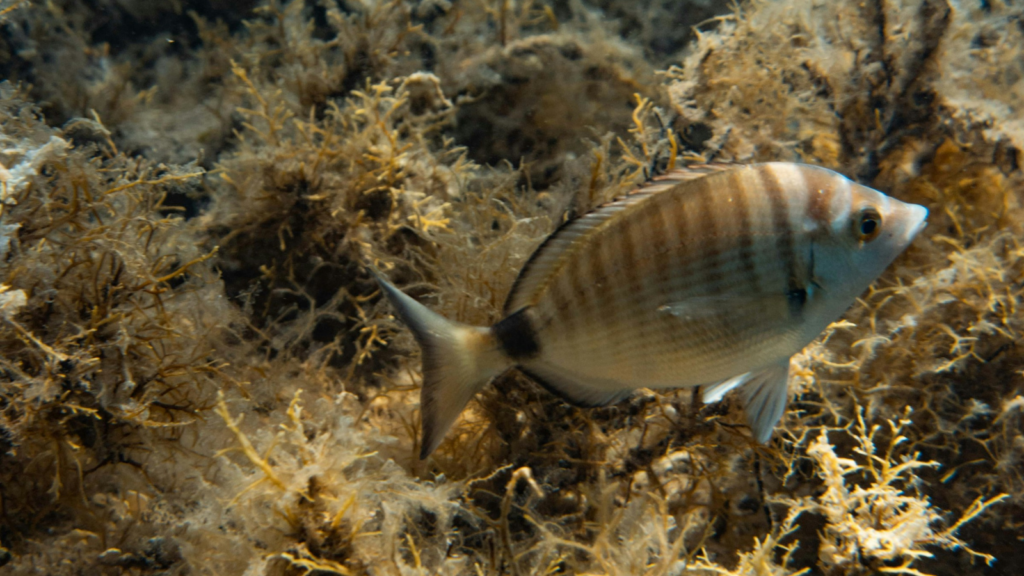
868	224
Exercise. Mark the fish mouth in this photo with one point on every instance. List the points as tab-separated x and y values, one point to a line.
918	219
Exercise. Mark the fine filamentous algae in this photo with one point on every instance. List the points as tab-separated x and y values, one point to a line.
682	241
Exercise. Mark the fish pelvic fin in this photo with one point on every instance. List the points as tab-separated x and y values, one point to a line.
458	360
765	394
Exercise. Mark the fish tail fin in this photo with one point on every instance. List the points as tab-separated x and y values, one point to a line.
458	360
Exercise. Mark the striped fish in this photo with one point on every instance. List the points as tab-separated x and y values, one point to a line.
711	277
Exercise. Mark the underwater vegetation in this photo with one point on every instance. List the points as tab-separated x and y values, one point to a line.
199	376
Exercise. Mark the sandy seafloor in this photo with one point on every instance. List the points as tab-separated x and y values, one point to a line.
197	375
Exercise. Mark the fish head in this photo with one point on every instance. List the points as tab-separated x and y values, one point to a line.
867	231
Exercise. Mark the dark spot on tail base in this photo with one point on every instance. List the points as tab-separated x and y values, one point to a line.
516	336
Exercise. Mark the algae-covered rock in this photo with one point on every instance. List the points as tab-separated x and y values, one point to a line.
198	376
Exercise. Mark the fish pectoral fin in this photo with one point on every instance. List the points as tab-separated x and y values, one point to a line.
765	394
578	390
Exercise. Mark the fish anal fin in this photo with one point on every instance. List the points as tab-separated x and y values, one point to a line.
574	389
711	393
765	396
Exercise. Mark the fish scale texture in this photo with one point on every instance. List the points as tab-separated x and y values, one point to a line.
685	306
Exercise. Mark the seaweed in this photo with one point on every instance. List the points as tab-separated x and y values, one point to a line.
198	375
110	320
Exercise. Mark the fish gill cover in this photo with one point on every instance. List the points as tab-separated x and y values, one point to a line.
198	376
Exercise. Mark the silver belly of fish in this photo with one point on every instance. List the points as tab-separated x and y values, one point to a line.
712	276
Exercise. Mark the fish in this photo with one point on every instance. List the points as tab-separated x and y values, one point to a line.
711	276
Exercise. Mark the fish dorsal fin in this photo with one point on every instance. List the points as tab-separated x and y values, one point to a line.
542	264
684	174
676	176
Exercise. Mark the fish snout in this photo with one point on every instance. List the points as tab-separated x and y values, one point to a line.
908	221
917	220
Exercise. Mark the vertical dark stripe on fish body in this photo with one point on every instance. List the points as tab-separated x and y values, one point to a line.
679	241
618	257
562	300
746	243
579	282
708	230
627	252
634	281
597	276
662	245
582	282
796	293
592	285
